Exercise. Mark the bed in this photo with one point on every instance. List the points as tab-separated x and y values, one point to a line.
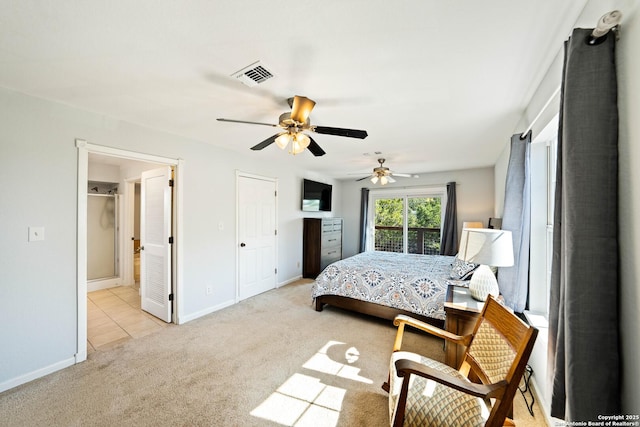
385	284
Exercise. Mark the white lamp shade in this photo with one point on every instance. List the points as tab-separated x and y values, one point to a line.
486	246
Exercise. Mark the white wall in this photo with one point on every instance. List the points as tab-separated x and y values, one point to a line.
104	173
38	279
474	194
628	67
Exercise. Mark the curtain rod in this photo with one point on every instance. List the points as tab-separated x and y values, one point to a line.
606	23
418	187
542	110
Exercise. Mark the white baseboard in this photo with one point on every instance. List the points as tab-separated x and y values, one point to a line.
38	373
542	403
286	282
81	355
98	285
197	314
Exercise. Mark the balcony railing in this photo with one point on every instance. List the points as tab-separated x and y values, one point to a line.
422	240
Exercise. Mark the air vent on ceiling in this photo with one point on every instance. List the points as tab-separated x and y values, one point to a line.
253	74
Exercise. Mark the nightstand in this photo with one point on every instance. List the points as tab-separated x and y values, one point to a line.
462	311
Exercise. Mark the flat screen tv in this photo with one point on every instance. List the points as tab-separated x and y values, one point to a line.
316	196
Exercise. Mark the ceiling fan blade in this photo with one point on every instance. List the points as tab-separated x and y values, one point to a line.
249	123
362	179
301	108
351	133
315	148
267	142
403	175
390	180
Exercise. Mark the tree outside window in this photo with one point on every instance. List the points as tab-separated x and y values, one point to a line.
423	220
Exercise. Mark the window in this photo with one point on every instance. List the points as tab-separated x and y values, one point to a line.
406	222
543	183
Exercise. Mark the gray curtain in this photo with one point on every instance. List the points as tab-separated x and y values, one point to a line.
584	359
514	281
364	207
449	243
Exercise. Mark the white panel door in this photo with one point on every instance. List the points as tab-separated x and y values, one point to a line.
256	236
155	253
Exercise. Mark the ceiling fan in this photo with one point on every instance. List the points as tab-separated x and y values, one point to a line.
383	175
294	124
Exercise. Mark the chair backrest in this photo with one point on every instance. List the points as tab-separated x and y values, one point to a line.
499	350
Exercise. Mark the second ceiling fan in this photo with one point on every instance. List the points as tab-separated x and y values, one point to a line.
383	175
294	124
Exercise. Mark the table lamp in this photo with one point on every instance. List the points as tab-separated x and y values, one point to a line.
487	247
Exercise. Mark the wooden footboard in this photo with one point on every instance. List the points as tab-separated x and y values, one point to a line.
370	308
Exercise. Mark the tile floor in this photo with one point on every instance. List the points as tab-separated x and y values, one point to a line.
114	315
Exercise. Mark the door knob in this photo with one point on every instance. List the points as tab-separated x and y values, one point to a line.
242	245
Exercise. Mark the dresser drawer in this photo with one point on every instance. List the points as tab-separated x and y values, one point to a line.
331	239
330	255
331	225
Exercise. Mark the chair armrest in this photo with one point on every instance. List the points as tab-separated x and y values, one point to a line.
405	367
402	319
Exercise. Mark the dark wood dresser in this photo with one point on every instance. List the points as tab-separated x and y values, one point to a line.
321	244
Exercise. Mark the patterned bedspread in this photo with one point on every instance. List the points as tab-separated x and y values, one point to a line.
412	282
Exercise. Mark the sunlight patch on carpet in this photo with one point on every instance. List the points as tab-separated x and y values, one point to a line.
322	362
304	400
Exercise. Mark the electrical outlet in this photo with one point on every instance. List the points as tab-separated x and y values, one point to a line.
209	290
298	265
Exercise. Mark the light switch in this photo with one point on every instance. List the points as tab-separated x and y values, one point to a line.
220	226
36	233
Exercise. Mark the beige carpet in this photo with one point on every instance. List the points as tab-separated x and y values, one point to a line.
270	360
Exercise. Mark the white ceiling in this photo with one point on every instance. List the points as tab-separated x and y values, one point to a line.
437	84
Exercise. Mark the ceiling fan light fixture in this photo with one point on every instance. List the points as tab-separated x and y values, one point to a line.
283	140
299	143
383	175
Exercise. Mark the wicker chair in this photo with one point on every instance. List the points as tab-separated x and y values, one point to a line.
424	392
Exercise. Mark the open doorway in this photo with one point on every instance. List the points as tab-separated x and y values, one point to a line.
100	301
114	306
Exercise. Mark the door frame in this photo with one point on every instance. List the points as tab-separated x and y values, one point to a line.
129	213
84	148
239	175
